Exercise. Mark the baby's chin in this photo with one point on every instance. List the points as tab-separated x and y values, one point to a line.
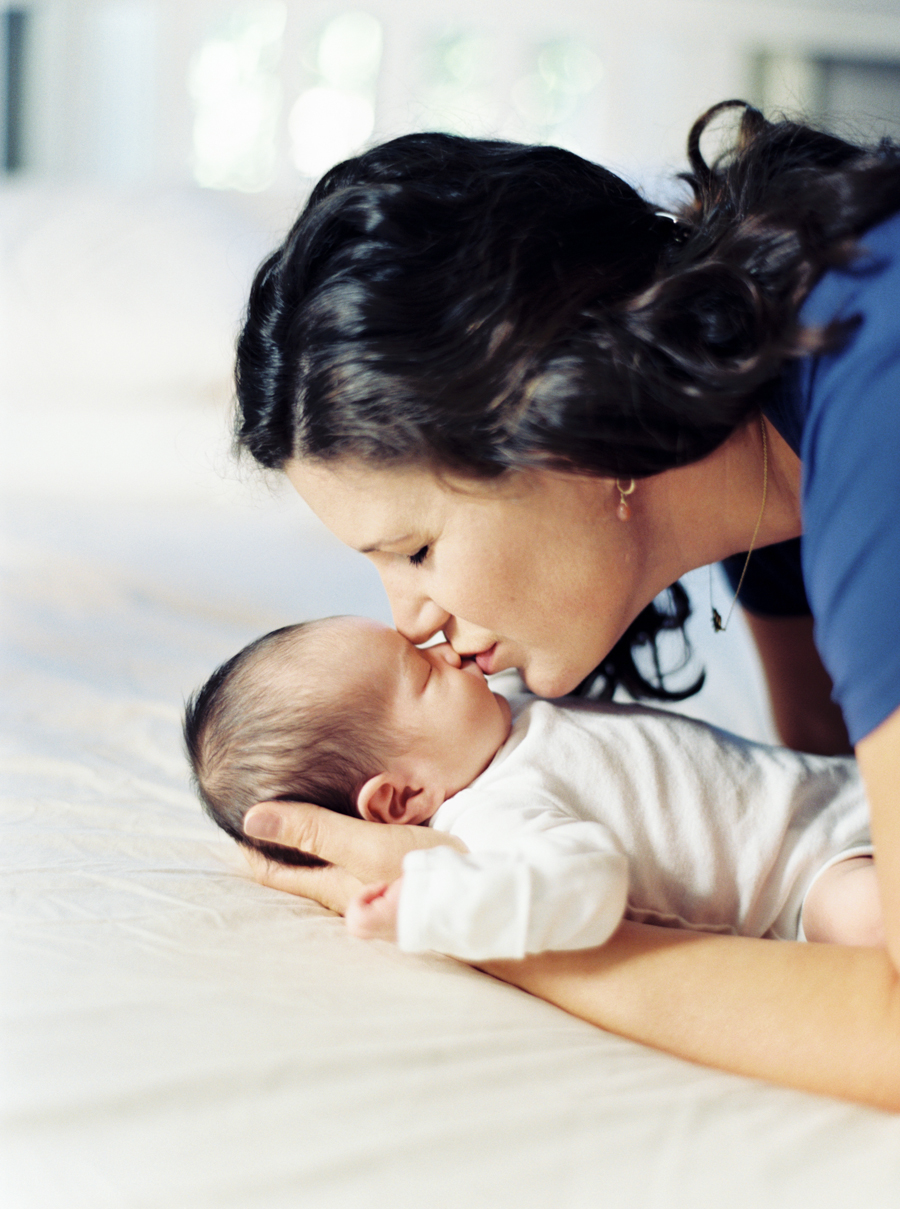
505	713
499	725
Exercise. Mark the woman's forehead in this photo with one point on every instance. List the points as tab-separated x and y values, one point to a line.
372	506
353	476
370	500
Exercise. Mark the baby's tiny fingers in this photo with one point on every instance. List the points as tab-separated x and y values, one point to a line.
368	894
372	913
363	910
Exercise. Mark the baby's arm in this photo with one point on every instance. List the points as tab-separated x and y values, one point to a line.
559	889
843	906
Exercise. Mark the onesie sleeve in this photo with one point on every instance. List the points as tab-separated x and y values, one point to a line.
561	889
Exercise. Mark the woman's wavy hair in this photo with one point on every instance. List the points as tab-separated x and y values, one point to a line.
480	306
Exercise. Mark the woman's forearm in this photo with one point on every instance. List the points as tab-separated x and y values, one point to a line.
820	1018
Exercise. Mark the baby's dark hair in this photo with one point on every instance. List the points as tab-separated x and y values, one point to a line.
253	736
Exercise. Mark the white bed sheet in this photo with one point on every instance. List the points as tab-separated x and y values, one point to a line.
175	1036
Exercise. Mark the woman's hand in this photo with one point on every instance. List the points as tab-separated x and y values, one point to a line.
359	853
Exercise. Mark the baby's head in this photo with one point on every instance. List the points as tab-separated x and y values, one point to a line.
345	713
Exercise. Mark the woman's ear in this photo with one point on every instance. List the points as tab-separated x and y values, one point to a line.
386	798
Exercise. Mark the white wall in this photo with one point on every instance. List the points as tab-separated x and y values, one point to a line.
120	277
110	95
122	281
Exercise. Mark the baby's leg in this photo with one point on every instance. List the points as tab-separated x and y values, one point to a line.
843	906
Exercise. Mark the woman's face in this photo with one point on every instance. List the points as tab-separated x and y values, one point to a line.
533	572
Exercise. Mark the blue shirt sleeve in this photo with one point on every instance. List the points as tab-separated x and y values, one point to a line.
850	450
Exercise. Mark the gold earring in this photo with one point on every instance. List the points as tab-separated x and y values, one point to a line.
623	512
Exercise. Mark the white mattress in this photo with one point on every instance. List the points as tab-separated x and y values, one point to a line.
177	1037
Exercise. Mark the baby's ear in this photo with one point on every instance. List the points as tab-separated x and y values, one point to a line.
385	798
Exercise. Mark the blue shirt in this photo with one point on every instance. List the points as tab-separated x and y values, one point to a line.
840	412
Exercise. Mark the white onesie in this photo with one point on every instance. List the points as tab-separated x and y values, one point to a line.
592	811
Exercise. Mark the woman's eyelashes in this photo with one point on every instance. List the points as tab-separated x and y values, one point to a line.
419	557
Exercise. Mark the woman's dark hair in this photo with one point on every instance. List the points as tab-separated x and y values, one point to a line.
480	306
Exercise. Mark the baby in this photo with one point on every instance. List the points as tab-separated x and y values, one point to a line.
575	814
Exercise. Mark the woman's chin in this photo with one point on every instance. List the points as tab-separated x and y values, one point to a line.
550	682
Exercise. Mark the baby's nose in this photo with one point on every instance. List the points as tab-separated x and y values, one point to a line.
443	650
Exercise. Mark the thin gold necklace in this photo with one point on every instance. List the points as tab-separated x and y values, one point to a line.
718	624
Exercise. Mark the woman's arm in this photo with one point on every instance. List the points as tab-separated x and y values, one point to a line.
878	755
820	1018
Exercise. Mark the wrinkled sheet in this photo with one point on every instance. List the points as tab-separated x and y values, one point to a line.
175	1036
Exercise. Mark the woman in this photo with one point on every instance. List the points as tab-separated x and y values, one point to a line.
533	401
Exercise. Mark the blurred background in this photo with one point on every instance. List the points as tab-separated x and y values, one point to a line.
151	152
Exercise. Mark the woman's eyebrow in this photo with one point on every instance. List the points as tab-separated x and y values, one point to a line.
392	541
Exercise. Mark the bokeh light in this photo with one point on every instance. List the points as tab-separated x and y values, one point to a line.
236	94
335	117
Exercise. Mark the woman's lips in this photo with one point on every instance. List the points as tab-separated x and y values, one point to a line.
485	659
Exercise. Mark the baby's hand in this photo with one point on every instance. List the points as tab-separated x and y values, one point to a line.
372	913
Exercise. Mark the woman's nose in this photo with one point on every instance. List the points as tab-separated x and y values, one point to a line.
416	616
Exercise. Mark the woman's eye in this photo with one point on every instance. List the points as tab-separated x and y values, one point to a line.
419	557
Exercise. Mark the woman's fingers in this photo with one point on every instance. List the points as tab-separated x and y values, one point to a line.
329	885
371	852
